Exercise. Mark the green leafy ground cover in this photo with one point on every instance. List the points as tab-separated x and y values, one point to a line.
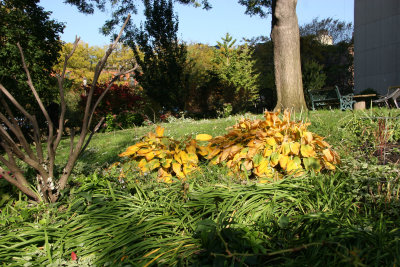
349	218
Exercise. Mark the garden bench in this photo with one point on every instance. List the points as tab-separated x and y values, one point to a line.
329	97
390	96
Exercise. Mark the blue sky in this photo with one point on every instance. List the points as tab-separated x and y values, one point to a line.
198	25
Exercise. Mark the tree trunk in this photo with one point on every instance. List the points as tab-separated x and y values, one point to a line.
286	39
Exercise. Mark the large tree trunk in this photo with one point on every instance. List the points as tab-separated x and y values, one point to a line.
286	39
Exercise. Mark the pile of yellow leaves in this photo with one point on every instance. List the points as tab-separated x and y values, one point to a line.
267	149
271	148
167	156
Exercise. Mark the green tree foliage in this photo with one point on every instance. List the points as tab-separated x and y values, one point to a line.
25	22
121	9
162	64
322	65
340	31
336	59
235	69
313	76
198	71
83	62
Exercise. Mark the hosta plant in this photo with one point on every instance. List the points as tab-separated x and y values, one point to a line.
271	148
266	149
168	157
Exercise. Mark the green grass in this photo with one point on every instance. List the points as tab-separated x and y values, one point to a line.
350	218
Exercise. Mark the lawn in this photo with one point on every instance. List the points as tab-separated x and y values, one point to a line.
349	217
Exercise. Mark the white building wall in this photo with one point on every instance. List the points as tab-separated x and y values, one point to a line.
376	44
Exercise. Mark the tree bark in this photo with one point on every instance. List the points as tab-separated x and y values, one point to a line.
286	40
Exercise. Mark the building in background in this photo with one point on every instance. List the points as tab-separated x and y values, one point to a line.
376	44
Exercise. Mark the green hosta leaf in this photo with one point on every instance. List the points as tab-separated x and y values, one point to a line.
311	163
274	159
257	159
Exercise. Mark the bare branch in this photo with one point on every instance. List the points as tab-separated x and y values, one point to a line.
10	143
62	98
30	83
12	149
50	150
14	127
71	142
31	118
23	187
96	128
116	76
99	67
85	124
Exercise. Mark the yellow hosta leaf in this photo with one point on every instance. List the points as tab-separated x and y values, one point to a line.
235	149
320	142
188	168
192	158
203	151
229	164
279	136
262	167
177	168
191	149
149	156
285	148
255	142
252	152
167	179
184	157
237	157
268	151
215	161
143	151
154	164
307	151
164	176
329	166
129	151
295	148
294	167
166	163
144	169
308	136
140	144
271	141
328	156
203	137
213	153
177	157
283	161
159	131
225	153
162	154
247	164
142	163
